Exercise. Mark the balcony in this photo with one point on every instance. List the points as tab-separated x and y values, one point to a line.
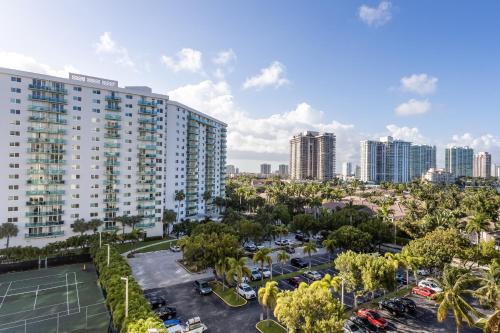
146	121
111	145
146	190
147	147
113	126
45	161
40	119
147	112
46	172
147	172
52	100
112	172
110	116
111	200
112	136
45	182
43	224
54	89
111	181
48	109
44	234
145	225
147	129
146	207
142	155
47	140
45	151
111	154
46	130
113	98
112	163
45	203
147	138
49	213
110	209
145	199
143	102
114	108
110	228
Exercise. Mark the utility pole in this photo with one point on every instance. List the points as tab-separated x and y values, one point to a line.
126	295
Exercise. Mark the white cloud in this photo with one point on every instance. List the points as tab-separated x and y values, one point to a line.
107	46
405	133
254	137
485	142
25	63
413	107
224	57
269	76
422	84
376	16
186	59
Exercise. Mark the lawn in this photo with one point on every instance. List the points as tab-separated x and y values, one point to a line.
269	326
158	247
228	295
125	247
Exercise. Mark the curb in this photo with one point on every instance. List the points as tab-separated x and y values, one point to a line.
258	329
187	269
230	305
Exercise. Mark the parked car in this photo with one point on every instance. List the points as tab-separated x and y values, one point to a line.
373	317
401	278
289	249
165	312
361	323
295	281
193	325
422	291
302	237
255	274
244	279
266	272
431	285
156	300
409	305
298	262
352	327
282	242
392	306
175	248
202	287
423	272
246	291
251	247
313	275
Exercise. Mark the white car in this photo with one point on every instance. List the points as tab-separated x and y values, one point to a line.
431	285
244	279
175	248
313	275
265	272
283	242
245	291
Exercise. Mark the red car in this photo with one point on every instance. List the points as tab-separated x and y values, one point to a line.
372	317
295	281
422	291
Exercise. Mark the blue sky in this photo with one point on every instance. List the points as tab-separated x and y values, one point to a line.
425	71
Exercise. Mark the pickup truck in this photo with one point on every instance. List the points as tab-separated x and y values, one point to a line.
193	325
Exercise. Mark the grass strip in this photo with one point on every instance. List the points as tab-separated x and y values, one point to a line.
228	295
269	326
159	247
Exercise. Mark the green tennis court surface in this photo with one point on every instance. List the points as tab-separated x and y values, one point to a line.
59	299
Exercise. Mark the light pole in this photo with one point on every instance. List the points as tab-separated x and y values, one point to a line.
126	295
342	295
394	222
100	239
108	253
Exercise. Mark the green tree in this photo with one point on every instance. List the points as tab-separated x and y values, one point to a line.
330	247
309	309
453	297
167	219
351	238
219	203
268	296
238	269
8	230
221	268
478	223
94	224
488	292
80	226
263	257
179	196
281	230
309	249
283	258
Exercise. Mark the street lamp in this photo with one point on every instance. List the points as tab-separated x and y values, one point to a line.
100	239
108	253
126	295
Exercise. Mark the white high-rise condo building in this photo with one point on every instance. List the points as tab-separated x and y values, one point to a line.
387	160
482	165
312	156
422	158
346	169
496	171
265	169
283	170
84	148
459	161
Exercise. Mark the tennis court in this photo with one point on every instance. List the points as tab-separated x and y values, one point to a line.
59	299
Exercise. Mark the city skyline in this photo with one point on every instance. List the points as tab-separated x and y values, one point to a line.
352	70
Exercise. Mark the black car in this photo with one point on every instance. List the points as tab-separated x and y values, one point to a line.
401	279
202	287
409	305
302	237
289	249
156	301
392	306
298	262
165	312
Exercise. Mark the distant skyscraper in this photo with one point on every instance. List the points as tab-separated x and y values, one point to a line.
422	158
357	172
346	169
458	161
387	160
496	171
283	170
265	169
482	165
312	156
230	169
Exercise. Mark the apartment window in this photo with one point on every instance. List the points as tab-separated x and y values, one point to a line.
96	110
77	108
77	98
12	209
97	92
13	197
128	96
12	219
15	90
77	88
15	122
75	196
15	79
14	165
16	176
13	154
128	106
15	100
15	133
96	101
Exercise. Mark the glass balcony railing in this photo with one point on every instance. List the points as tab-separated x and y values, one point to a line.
145	225
45	182
45	161
112	136
147	112
55	89
46	130
53	100
146	120
43	224
143	102
113	98
47	140
147	138
49	213
45	203
112	163
44	234
111	154
111	145
41	119
149	207
49	109
112	126
46	172
110	116
147	147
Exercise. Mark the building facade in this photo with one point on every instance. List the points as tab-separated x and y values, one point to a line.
496	171
459	161
84	148
265	169
313	156
482	165
422	158
438	176
283	170
346	169
387	160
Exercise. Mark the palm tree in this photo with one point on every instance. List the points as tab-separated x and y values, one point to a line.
221	267
238	268
281	230
283	258
80	226
179	196
335	283
168	218
330	247
454	285
94	224
135	219
489	291
476	224
8	230
219	202
262	256
268	296
310	248
490	324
